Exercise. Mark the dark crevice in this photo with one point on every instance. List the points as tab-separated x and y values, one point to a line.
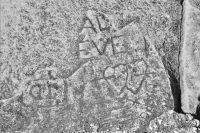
197	115
181	2
175	80
180	36
176	92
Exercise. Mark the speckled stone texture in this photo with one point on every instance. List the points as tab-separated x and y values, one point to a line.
87	66
172	122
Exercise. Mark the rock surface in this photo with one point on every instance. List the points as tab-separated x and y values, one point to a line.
89	66
190	57
172	122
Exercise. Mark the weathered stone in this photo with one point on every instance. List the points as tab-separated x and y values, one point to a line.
91	66
190	58
172	122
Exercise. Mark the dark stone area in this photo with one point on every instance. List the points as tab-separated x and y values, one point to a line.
197	115
176	92
175	86
198	112
181	2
